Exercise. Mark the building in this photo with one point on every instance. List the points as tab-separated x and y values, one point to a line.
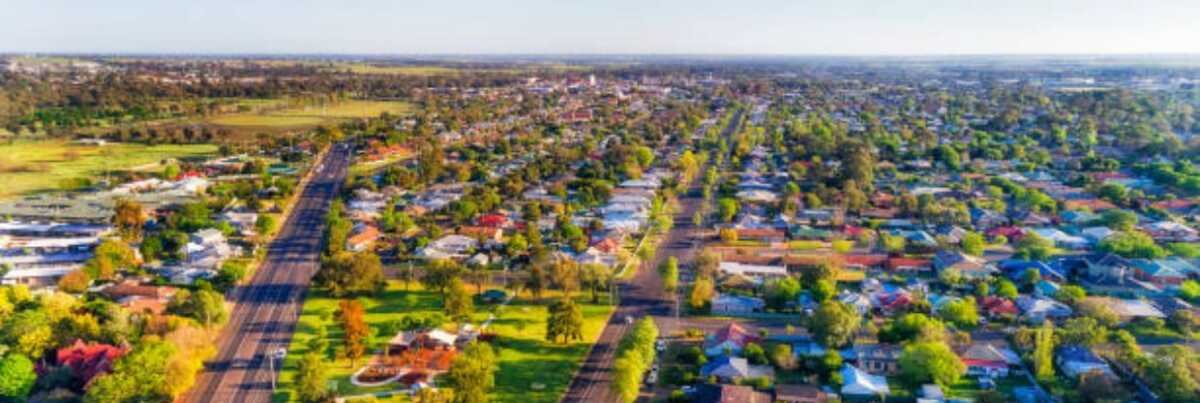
857	383
1078	360
729	304
732	369
799	394
707	393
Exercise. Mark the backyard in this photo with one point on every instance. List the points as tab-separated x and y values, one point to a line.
530	369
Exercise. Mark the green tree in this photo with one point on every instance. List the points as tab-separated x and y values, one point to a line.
931	362
727	208
140	376
1006	289
205	306
972	243
349	274
834	324
16	377
703	290
1132	244
782	291
961	312
913	327
565	321
473	373
1034	247
311	378
457	300
1043	352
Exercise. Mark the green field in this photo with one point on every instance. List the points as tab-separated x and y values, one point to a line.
308	117
28	166
525	358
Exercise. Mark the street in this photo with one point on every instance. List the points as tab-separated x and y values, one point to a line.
266	309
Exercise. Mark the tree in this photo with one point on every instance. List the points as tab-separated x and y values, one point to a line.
1190	290
473	373
782	357
781	291
728	235
961	312
916	327
1034	247
1043	352
75	282
824	290
140	376
930	362
1070	294
596	277
1133	245
439	273
972	243
1006	289
834	323
703	290
109	257
457	300
16	377
349	274
670	274
727	208
635	354
205	306
351	318
311	377
28	332
755	354
1098	310
264	224
1119	220
1083	331
128	219
565	321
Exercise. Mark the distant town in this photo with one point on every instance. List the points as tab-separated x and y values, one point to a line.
589	229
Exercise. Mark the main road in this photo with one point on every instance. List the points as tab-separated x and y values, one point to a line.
266	309
639	297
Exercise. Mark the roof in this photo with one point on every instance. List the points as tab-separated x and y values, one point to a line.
858	382
798	392
707	393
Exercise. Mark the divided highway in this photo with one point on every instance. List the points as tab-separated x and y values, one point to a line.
267	308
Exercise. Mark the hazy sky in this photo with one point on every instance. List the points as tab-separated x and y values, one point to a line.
846	27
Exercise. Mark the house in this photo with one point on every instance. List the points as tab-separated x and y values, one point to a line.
729	339
1075	360
732	369
799	394
724	393
761	234
757	272
1129	309
1170	231
362	238
985	359
483	234
450	246
1167	272
140	298
994	307
908	265
207	248
882	358
243	222
1040	309
729	304
1096	234
860	384
970	267
1062	239
858	301
493	220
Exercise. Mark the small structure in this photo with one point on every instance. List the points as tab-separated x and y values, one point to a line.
860	384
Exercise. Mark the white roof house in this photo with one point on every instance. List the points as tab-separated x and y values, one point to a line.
752	270
857	382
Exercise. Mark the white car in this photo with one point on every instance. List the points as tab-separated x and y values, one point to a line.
660	345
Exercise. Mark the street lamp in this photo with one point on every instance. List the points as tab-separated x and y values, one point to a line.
278	354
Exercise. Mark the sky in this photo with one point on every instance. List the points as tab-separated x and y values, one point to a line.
729	27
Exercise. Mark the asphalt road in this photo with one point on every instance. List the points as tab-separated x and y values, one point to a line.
641	296
266	309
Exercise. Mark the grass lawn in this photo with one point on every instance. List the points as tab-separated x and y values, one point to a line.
310	116
524	357
28	166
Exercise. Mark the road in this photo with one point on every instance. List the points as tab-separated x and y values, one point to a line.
640	296
266	309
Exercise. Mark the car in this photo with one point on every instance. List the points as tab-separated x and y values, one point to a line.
660	345
652	377
628	319
688	389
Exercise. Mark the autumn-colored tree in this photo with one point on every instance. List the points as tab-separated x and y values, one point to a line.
351	318
74	282
128	218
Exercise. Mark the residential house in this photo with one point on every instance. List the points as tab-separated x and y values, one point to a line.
879	358
730	304
1074	360
759	273
1129	309
998	307
728	340
1040	309
362	238
725	393
450	247
207	248
857	383
985	359
241	221
970	267
731	369
1168	272
799	394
